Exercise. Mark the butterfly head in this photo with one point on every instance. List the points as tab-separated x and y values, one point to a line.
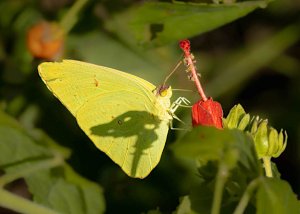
163	91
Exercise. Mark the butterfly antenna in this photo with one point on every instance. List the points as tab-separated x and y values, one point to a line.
180	89
174	69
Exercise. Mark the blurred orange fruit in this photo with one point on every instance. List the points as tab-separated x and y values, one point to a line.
45	40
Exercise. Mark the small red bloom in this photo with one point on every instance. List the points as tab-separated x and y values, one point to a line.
207	113
185	45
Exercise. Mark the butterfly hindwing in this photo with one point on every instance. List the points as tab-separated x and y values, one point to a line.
126	127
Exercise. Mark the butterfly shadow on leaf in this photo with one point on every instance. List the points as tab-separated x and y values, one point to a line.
134	140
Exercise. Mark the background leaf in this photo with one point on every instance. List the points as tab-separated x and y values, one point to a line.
65	191
208	144
51	181
211	148
276	196
158	23
16	146
116	55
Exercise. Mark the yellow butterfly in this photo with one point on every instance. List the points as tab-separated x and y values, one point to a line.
125	116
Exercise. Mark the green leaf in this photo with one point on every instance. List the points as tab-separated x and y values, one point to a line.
201	198
202	142
208	144
185	206
53	184
276	196
65	191
161	22
16	146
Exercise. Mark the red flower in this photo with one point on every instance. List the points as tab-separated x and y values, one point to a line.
207	113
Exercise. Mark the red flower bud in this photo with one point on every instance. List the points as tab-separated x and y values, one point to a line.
185	45
207	113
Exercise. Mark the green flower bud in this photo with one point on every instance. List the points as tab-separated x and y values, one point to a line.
282	141
237	118
244	122
254	124
268	142
261	139
273	142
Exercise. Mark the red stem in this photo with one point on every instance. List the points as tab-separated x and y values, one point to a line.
186	47
195	77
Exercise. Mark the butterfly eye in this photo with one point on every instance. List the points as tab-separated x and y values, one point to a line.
162	90
163	93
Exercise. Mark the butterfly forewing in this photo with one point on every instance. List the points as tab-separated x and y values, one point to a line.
74	82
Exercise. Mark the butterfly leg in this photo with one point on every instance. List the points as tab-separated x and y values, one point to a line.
178	103
178	129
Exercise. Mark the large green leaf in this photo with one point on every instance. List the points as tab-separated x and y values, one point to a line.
40	161
210	144
275	196
161	22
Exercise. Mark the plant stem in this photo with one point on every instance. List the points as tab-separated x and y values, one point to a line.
21	205
71	17
9	177
267	166
195	77
218	193
246	196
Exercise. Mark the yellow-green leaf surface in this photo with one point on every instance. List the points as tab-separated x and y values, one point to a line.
119	112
